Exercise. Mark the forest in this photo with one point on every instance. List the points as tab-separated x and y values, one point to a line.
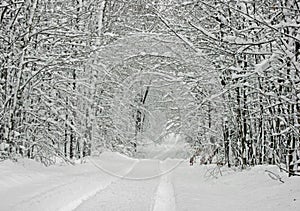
81	76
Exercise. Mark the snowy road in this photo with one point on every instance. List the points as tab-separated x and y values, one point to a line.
135	192
116	182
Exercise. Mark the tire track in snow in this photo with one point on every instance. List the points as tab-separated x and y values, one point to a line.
33	202
76	203
164	197
66	192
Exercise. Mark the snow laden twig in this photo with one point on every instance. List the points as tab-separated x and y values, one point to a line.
274	176
213	172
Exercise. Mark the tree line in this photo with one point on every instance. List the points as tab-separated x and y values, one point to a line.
62	72
254	47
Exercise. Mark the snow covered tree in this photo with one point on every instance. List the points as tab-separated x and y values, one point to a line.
46	45
253	47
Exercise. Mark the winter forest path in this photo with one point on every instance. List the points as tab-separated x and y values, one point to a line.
143	188
143	184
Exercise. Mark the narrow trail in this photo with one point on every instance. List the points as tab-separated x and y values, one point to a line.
165	196
132	194
146	187
143	188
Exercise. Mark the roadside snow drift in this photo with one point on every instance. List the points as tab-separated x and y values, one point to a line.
27	185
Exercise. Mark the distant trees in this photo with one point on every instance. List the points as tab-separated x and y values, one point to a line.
138	81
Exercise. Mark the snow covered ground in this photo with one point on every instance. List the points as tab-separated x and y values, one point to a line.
197	188
27	185
116	182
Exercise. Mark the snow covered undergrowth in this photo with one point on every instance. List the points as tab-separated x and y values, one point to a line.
116	182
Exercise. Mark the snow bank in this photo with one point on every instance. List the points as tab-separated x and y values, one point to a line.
27	185
202	187
13	174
